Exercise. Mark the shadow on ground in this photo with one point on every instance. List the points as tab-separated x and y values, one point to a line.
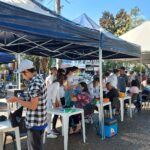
133	134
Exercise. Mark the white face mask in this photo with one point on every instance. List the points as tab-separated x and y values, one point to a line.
65	83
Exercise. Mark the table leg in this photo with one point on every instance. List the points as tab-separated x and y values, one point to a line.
44	137
83	127
130	104
65	127
110	111
122	109
1	140
62	129
17	138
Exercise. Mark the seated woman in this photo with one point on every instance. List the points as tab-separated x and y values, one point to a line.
134	91
135	96
80	100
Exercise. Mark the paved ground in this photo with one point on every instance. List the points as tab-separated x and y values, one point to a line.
134	134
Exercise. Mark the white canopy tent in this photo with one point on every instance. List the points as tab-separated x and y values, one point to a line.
141	36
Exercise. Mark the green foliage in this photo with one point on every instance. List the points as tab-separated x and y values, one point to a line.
139	68
122	22
109	65
118	24
108	21
136	17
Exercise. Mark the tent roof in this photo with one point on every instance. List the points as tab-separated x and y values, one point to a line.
109	40
139	35
29	5
27	31
6	58
86	21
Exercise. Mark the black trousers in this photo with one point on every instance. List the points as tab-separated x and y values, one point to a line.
56	116
74	120
35	139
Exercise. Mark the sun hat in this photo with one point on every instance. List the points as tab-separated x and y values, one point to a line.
24	65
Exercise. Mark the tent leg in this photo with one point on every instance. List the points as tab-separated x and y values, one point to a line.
101	118
141	73
19	75
57	63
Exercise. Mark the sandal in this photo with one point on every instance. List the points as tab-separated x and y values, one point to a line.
71	130
78	128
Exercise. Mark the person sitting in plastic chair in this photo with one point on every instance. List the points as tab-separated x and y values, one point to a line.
146	92
113	95
81	100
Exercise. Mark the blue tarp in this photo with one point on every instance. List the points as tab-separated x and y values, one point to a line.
67	40
86	21
6	58
109	41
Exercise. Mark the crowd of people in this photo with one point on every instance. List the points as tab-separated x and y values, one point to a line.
64	88
6	73
121	81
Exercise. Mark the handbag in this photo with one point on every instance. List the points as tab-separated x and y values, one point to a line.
17	120
3	118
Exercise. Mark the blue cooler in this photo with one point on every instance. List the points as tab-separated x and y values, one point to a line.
110	127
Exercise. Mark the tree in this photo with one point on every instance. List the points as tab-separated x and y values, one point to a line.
136	17
118	24
41	63
44	61
108	21
122	22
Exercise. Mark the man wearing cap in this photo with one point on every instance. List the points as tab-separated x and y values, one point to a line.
36	116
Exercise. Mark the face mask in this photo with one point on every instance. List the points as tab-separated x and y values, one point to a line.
65	83
78	89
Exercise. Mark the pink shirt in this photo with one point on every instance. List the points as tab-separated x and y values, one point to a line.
134	90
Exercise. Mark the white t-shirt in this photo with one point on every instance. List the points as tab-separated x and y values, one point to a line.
49	80
113	79
61	91
94	91
73	80
52	94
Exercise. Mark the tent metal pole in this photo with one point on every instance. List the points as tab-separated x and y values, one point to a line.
141	62
19	75
57	63
101	116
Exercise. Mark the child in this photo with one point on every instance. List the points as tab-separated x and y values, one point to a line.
80	100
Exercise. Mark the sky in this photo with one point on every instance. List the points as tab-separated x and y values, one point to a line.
95	8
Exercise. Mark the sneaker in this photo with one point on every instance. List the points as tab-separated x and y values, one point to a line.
51	135
55	132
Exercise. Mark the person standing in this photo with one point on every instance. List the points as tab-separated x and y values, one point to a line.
35	103
122	80
113	79
51	77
